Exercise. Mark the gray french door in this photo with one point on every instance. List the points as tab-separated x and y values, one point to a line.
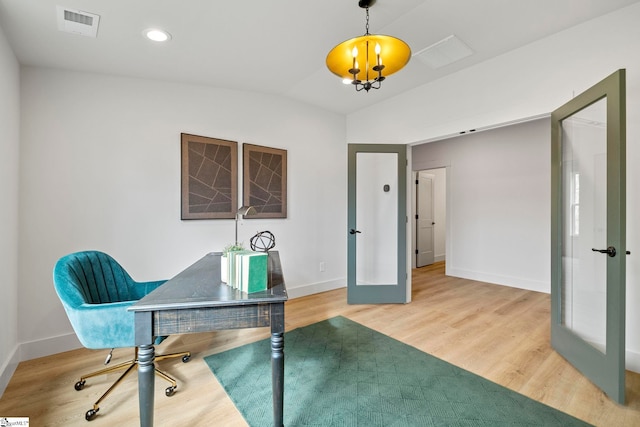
588	233
377	224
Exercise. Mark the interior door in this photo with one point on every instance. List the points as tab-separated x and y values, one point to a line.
588	233
424	220
377	224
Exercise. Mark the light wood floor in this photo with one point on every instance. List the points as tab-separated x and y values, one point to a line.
497	332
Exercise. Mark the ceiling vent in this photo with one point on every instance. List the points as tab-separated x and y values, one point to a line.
78	22
444	52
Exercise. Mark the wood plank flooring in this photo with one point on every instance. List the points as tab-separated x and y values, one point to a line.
497	332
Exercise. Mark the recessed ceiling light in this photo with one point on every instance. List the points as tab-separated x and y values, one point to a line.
156	35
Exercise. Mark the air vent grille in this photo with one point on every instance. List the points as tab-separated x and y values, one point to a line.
78	17
78	22
445	52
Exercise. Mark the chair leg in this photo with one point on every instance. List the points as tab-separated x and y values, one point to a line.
108	370
91	414
169	391
186	356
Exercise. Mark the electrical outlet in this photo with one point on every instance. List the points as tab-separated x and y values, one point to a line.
322	266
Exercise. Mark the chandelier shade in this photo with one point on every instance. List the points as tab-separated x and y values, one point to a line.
367	60
394	55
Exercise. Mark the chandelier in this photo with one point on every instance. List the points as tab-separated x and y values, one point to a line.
367	60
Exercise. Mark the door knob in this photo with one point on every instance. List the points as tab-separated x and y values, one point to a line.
353	231
611	251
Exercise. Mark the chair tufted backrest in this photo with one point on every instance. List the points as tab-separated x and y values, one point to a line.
91	277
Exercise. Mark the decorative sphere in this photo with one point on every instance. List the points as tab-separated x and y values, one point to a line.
263	241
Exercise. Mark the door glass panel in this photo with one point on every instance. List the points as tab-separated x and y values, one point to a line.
377	218
584	216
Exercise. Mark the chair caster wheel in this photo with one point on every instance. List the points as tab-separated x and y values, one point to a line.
91	414
170	391
186	358
79	385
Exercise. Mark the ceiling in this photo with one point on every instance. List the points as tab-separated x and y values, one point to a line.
279	46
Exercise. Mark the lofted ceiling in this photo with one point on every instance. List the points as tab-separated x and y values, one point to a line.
279	46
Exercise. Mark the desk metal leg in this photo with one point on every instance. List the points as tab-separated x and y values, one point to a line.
277	377
146	383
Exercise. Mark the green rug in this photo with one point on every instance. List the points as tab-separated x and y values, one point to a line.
340	373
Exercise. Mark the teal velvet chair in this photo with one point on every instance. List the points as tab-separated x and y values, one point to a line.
96	291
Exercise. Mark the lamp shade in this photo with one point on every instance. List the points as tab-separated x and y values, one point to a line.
394	54
246	210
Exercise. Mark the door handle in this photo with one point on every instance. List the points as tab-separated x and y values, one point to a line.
353	231
611	251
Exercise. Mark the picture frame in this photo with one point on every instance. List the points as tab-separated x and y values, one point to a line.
209	177
265	181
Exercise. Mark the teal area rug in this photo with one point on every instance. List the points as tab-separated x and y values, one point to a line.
340	373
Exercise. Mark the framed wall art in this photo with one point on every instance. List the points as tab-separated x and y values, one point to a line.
209	177
265	181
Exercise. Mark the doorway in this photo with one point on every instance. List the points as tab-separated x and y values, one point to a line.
430	216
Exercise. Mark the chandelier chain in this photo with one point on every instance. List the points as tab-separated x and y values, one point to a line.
367	26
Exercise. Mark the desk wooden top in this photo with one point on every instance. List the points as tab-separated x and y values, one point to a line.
199	286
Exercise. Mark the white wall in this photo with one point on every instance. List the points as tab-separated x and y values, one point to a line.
498	215
100	169
9	157
528	82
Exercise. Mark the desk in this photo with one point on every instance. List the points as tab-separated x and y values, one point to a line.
196	301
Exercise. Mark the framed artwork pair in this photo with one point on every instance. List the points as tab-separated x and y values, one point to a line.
209	175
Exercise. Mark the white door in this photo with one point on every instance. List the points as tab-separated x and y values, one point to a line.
424	219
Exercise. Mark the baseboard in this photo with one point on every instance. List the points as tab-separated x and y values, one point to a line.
439	258
48	346
514	282
8	368
315	288
632	361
